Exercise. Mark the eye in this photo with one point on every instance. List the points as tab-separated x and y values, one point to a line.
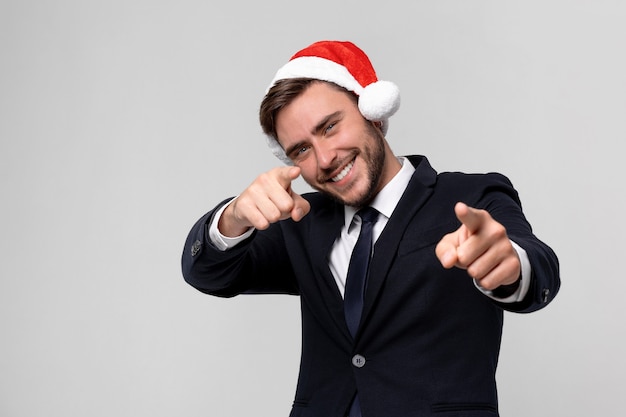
299	152
329	127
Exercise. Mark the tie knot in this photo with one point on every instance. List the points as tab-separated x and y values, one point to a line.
368	214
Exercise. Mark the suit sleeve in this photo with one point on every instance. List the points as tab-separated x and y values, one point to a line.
501	200
259	265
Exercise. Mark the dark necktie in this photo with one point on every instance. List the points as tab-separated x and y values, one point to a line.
356	279
357	269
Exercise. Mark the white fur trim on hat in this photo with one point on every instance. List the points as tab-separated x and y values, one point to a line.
377	101
278	150
318	69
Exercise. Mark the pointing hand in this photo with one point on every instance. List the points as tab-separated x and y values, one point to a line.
480	246
267	200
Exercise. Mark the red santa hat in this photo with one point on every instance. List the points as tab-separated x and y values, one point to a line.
344	64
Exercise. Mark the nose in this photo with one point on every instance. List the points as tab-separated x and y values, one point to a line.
325	154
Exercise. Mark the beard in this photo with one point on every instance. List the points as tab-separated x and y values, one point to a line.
373	155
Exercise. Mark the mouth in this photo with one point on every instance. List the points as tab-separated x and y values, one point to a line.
343	172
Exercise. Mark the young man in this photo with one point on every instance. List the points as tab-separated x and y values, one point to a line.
413	327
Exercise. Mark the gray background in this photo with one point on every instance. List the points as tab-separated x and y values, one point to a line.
122	122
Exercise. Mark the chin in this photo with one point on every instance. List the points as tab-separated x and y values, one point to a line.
357	200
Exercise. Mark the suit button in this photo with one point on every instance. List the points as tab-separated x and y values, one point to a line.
195	248
545	294
358	361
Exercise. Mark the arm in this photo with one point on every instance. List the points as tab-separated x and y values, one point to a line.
483	246
260	263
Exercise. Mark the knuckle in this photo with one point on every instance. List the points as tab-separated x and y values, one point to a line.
474	272
466	254
260	222
286	205
499	230
264	178
488	284
273	216
262	225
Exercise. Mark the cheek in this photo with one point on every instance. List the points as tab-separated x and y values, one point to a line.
308	170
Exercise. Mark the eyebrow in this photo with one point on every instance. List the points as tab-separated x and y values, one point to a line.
293	148
316	130
322	124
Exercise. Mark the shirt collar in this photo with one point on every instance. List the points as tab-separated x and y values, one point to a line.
389	197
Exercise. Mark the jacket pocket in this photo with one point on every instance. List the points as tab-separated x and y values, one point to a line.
465	409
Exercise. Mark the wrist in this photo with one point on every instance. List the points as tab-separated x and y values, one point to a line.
506	290
228	225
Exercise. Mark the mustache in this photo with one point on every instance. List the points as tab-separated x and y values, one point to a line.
327	174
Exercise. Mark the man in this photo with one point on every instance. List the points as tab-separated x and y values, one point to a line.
411	328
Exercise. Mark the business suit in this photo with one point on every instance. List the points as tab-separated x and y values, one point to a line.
428	342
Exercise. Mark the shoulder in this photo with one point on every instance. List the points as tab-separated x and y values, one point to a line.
428	175
475	187
462	179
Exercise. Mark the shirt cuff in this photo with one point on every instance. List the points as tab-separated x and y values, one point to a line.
220	241
524	284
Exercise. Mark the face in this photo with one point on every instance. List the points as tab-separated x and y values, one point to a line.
338	151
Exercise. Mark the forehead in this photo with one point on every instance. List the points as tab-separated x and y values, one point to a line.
314	104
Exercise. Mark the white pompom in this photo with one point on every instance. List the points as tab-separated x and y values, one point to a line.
379	101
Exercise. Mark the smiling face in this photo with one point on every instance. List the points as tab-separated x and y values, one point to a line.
338	151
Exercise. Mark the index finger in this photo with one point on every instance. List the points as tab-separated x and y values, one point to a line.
472	218
286	175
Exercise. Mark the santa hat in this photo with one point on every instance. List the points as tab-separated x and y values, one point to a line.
344	64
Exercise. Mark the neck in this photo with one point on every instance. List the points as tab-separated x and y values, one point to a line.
391	168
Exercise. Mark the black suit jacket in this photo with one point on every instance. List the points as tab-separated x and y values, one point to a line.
428	340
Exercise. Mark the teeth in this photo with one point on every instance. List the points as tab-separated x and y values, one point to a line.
343	172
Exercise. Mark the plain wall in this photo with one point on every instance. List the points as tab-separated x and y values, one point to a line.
122	122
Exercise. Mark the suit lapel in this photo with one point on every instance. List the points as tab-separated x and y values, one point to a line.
326	227
416	194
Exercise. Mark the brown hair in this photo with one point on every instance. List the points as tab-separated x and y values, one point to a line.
280	95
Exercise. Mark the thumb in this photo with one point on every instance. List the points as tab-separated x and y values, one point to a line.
469	216
301	206
446	250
